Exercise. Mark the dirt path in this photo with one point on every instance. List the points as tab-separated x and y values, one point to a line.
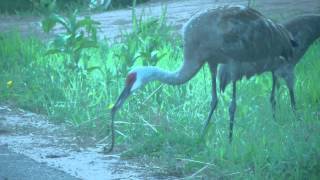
56	146
16	166
178	11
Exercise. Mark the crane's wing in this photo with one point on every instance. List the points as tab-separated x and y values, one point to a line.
249	36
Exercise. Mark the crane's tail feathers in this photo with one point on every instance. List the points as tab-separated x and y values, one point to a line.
294	43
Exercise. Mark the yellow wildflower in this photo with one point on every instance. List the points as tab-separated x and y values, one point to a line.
10	84
110	106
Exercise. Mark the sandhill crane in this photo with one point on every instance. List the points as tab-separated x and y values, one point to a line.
224	35
305	30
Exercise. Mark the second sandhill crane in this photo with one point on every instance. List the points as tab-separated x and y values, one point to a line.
224	35
305	30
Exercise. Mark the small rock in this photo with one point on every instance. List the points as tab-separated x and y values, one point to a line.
52	156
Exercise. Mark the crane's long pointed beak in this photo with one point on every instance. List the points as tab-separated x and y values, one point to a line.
123	96
121	99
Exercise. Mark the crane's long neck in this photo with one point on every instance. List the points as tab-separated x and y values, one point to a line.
186	71
305	30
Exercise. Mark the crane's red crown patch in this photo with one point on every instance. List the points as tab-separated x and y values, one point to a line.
131	78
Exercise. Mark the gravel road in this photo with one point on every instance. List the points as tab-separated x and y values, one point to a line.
14	166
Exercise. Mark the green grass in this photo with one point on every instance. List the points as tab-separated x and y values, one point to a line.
164	129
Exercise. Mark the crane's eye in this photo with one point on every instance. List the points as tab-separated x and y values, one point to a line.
131	78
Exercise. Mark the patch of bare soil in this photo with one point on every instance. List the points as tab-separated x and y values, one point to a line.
57	146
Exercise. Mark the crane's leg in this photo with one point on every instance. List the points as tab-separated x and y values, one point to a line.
290	84
292	98
272	98
214	101
232	109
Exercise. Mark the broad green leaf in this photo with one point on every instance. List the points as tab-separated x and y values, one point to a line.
87	22
90	69
64	22
54	51
60	41
47	24
85	43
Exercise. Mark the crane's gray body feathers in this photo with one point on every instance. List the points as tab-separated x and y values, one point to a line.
304	30
235	33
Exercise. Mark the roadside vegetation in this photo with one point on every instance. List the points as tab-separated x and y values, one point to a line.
76	78
32	7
